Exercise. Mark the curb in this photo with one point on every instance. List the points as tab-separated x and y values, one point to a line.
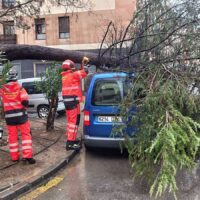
23	187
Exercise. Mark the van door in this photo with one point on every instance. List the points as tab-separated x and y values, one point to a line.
103	101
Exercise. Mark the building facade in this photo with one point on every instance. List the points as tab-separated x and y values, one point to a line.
82	29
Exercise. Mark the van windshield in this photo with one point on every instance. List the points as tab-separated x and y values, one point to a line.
109	92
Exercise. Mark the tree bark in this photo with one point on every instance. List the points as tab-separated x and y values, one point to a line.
52	113
22	52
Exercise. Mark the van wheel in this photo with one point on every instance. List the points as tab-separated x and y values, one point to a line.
43	111
88	148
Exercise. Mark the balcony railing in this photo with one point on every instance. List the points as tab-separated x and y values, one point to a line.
8	39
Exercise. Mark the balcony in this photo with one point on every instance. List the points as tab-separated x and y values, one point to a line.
8	39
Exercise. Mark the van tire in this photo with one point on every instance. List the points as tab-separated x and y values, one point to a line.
43	111
88	148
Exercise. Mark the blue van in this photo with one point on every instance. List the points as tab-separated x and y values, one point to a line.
105	92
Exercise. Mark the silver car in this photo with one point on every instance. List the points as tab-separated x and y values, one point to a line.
37	100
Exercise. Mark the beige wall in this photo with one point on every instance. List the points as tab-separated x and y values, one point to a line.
86	28
90	5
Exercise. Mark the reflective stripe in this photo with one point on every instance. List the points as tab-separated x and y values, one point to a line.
27	142
70	99
13	144
71	88
12	103
26	147
24	95
70	131
13	150
15	115
71	125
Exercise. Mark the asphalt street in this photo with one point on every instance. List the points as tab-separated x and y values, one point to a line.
100	175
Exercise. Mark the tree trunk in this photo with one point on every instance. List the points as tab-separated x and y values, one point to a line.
22	52
52	113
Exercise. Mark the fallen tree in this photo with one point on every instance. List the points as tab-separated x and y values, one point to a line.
21	52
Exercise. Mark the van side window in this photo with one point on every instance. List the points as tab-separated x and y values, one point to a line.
30	88
106	92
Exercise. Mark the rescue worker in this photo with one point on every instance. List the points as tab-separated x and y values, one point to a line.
15	102
72	96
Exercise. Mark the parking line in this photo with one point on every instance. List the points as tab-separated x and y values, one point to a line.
37	192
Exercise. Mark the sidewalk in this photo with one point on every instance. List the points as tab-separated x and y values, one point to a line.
49	152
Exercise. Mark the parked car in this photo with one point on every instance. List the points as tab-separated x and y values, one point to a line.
37	100
105	92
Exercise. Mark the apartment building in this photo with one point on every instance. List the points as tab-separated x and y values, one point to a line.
82	29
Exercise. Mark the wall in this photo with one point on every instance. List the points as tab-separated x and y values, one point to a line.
86	28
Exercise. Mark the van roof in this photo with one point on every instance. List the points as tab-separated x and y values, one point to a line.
109	74
29	79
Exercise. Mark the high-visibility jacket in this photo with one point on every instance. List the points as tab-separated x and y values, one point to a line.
13	97
71	84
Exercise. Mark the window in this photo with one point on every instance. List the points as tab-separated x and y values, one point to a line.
87	81
8	28
8	3
63	27
40	68
107	92
40	29
31	88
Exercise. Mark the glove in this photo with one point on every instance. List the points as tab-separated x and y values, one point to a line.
85	60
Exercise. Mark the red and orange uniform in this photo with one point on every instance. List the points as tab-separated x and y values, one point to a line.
15	101
72	96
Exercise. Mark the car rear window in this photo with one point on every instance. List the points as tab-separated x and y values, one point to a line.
108	92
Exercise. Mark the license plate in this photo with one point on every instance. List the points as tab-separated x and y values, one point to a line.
109	119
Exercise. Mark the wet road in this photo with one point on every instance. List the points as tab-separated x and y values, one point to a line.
105	175
95	175
101	175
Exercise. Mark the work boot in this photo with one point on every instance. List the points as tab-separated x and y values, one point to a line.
79	142
72	145
29	160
